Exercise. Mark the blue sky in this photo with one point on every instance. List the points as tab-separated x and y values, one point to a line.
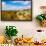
15	5
13	0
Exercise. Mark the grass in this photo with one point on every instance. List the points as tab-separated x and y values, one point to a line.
16	15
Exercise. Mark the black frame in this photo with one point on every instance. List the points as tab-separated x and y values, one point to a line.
16	20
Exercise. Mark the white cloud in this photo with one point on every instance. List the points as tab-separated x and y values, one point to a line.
26	2
25	7
7	7
3	3
10	7
22	2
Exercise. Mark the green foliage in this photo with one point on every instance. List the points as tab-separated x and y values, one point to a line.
11	31
41	17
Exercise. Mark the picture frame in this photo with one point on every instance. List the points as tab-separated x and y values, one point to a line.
16	10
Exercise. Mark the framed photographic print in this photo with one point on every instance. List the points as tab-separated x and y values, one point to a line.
16	11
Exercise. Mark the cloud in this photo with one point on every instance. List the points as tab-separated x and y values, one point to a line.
7	7
3	5
22	2
27	3
13	7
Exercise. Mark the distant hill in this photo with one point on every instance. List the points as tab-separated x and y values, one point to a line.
16	15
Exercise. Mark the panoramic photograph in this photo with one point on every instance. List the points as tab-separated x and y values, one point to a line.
16	10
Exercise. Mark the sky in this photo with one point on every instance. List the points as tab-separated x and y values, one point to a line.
16	5
16	0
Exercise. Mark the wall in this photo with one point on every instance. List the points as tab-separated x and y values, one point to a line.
27	28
